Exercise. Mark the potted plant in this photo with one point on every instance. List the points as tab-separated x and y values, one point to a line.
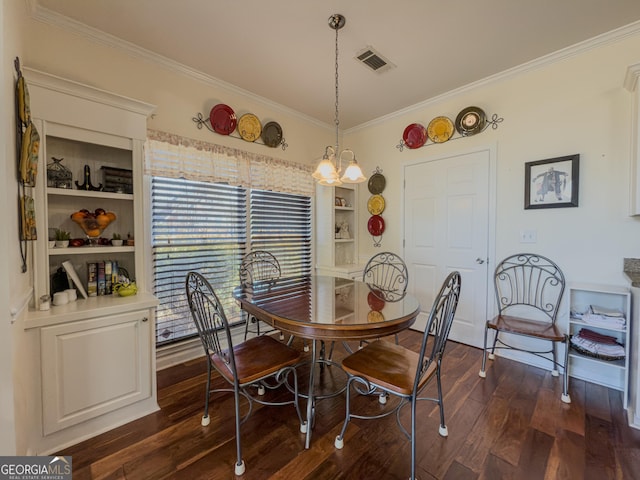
62	238
116	240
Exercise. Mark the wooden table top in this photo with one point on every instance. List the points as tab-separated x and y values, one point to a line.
327	308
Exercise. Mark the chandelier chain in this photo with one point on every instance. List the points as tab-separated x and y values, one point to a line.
337	119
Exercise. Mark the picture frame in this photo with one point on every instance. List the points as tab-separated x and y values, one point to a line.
552	183
339	201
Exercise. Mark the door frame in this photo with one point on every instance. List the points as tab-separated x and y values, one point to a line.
492	207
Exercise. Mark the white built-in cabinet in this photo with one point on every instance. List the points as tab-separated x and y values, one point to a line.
610	373
337	213
97	355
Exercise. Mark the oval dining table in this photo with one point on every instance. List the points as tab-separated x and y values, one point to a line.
326	308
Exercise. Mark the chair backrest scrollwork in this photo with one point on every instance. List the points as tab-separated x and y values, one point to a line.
387	276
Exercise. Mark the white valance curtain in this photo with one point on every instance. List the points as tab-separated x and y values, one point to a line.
172	156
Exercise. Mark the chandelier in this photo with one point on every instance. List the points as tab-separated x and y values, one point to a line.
330	167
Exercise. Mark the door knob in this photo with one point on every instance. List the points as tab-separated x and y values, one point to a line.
480	260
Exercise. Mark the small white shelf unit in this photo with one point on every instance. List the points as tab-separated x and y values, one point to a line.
610	373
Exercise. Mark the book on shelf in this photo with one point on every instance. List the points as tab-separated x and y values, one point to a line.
101	280
92	279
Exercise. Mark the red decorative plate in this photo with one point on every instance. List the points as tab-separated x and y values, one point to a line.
375	302
415	135
223	119
376	225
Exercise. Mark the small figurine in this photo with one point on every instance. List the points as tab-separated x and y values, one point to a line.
343	233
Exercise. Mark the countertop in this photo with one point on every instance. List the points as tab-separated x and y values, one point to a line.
632	270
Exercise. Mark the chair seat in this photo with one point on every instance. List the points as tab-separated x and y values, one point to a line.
524	326
256	358
388	365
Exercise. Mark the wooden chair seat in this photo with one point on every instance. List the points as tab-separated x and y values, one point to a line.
525	326
389	365
257	358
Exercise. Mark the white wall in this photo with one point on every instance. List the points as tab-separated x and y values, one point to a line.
574	105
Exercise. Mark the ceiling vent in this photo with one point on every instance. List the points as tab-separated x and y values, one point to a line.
374	60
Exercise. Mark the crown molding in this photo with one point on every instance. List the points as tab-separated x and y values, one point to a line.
50	17
612	36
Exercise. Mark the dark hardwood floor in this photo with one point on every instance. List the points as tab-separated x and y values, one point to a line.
510	425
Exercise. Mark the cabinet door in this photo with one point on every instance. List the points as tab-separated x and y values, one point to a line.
93	367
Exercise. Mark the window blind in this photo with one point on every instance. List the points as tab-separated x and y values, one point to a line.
281	224
195	226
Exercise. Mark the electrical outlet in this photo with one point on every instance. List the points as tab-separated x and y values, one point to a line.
528	236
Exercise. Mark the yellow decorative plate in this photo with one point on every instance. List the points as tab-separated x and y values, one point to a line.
440	129
249	127
375	317
376	204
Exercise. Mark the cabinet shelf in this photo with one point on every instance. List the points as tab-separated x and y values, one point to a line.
90	250
582	323
611	363
89	194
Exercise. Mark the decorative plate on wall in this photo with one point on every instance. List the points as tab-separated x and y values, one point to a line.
415	135
470	121
440	129
272	134
249	127
376	184
375	225
223	119
376	204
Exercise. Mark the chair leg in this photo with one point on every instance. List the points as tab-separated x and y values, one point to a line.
413	436
483	372
239	467
565	383
205	418
443	430
339	442
554	372
492	355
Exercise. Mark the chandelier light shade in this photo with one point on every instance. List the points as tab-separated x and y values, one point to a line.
329	169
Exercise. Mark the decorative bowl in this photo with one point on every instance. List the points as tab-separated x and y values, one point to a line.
93	223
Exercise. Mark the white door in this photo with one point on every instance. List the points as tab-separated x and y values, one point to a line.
446	228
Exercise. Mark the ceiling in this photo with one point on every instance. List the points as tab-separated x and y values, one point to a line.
284	50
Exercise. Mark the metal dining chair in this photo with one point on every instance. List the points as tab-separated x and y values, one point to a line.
528	290
261	361
398	371
258	265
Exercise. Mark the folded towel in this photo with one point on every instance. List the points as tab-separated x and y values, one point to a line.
604	320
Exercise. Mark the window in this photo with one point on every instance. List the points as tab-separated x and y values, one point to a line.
210	205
